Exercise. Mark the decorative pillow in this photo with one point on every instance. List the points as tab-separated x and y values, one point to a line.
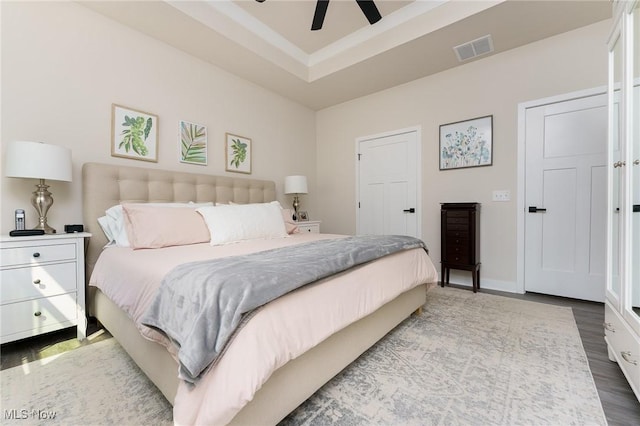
156	226
290	224
116	224
239	222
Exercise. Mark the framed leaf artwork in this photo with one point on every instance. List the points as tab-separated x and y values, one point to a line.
134	134
237	154
193	143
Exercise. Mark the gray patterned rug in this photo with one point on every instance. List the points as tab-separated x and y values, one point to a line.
96	384
470	359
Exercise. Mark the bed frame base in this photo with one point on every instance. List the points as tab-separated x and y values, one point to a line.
291	384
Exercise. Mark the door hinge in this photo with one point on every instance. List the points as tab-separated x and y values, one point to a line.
359	155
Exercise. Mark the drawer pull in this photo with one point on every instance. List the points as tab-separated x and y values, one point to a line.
37	313
626	355
609	327
36	254
36	281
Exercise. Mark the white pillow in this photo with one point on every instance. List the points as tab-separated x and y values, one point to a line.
104	224
116	224
239	222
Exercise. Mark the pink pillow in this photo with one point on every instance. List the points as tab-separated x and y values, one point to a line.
155	227
289	223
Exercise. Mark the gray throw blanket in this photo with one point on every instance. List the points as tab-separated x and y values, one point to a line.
200	304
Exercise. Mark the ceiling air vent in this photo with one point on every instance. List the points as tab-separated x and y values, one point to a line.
477	47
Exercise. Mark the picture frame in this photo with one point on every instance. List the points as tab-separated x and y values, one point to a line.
302	216
134	134
467	143
237	154
192	142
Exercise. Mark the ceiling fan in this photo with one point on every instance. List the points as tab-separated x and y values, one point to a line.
368	7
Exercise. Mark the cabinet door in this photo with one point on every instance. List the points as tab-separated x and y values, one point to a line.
634	160
614	159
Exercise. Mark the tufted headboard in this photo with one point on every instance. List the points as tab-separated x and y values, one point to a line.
105	185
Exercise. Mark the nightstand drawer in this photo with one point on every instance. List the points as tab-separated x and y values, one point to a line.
16	256
309	228
312	226
37	281
38	316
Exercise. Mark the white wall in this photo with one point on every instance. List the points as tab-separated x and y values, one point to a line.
490	86
63	66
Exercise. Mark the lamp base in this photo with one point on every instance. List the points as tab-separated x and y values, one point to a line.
46	228
296	204
41	199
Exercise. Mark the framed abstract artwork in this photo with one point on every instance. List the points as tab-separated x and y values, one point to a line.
237	154
467	143
193	143
134	134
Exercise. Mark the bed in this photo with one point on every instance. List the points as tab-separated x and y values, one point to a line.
306	367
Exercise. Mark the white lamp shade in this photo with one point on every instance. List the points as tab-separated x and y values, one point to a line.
295	185
37	160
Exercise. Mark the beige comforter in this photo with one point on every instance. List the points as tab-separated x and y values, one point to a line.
279	332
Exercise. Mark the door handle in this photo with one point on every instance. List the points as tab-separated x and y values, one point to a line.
533	209
411	210
635	209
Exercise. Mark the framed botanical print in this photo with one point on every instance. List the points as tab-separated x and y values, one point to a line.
134	134
237	154
193	143
466	143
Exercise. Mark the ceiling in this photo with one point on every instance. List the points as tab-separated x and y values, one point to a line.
270	43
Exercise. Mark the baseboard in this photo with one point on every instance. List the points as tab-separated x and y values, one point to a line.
464	280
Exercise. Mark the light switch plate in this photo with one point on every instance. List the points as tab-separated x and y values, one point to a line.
502	195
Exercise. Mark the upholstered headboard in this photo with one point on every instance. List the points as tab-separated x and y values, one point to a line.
105	185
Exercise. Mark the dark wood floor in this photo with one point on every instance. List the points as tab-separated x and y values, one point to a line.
620	404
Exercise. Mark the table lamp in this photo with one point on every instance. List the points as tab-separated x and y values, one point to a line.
295	185
37	160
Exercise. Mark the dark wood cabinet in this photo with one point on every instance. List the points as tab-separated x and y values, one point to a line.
460	240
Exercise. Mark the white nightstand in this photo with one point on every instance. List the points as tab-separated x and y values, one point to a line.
309	226
42	285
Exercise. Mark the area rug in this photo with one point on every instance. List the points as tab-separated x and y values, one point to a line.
97	384
469	359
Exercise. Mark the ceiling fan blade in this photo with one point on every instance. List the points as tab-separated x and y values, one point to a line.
370	10
318	16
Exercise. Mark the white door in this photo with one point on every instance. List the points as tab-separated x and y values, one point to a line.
388	185
566	198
